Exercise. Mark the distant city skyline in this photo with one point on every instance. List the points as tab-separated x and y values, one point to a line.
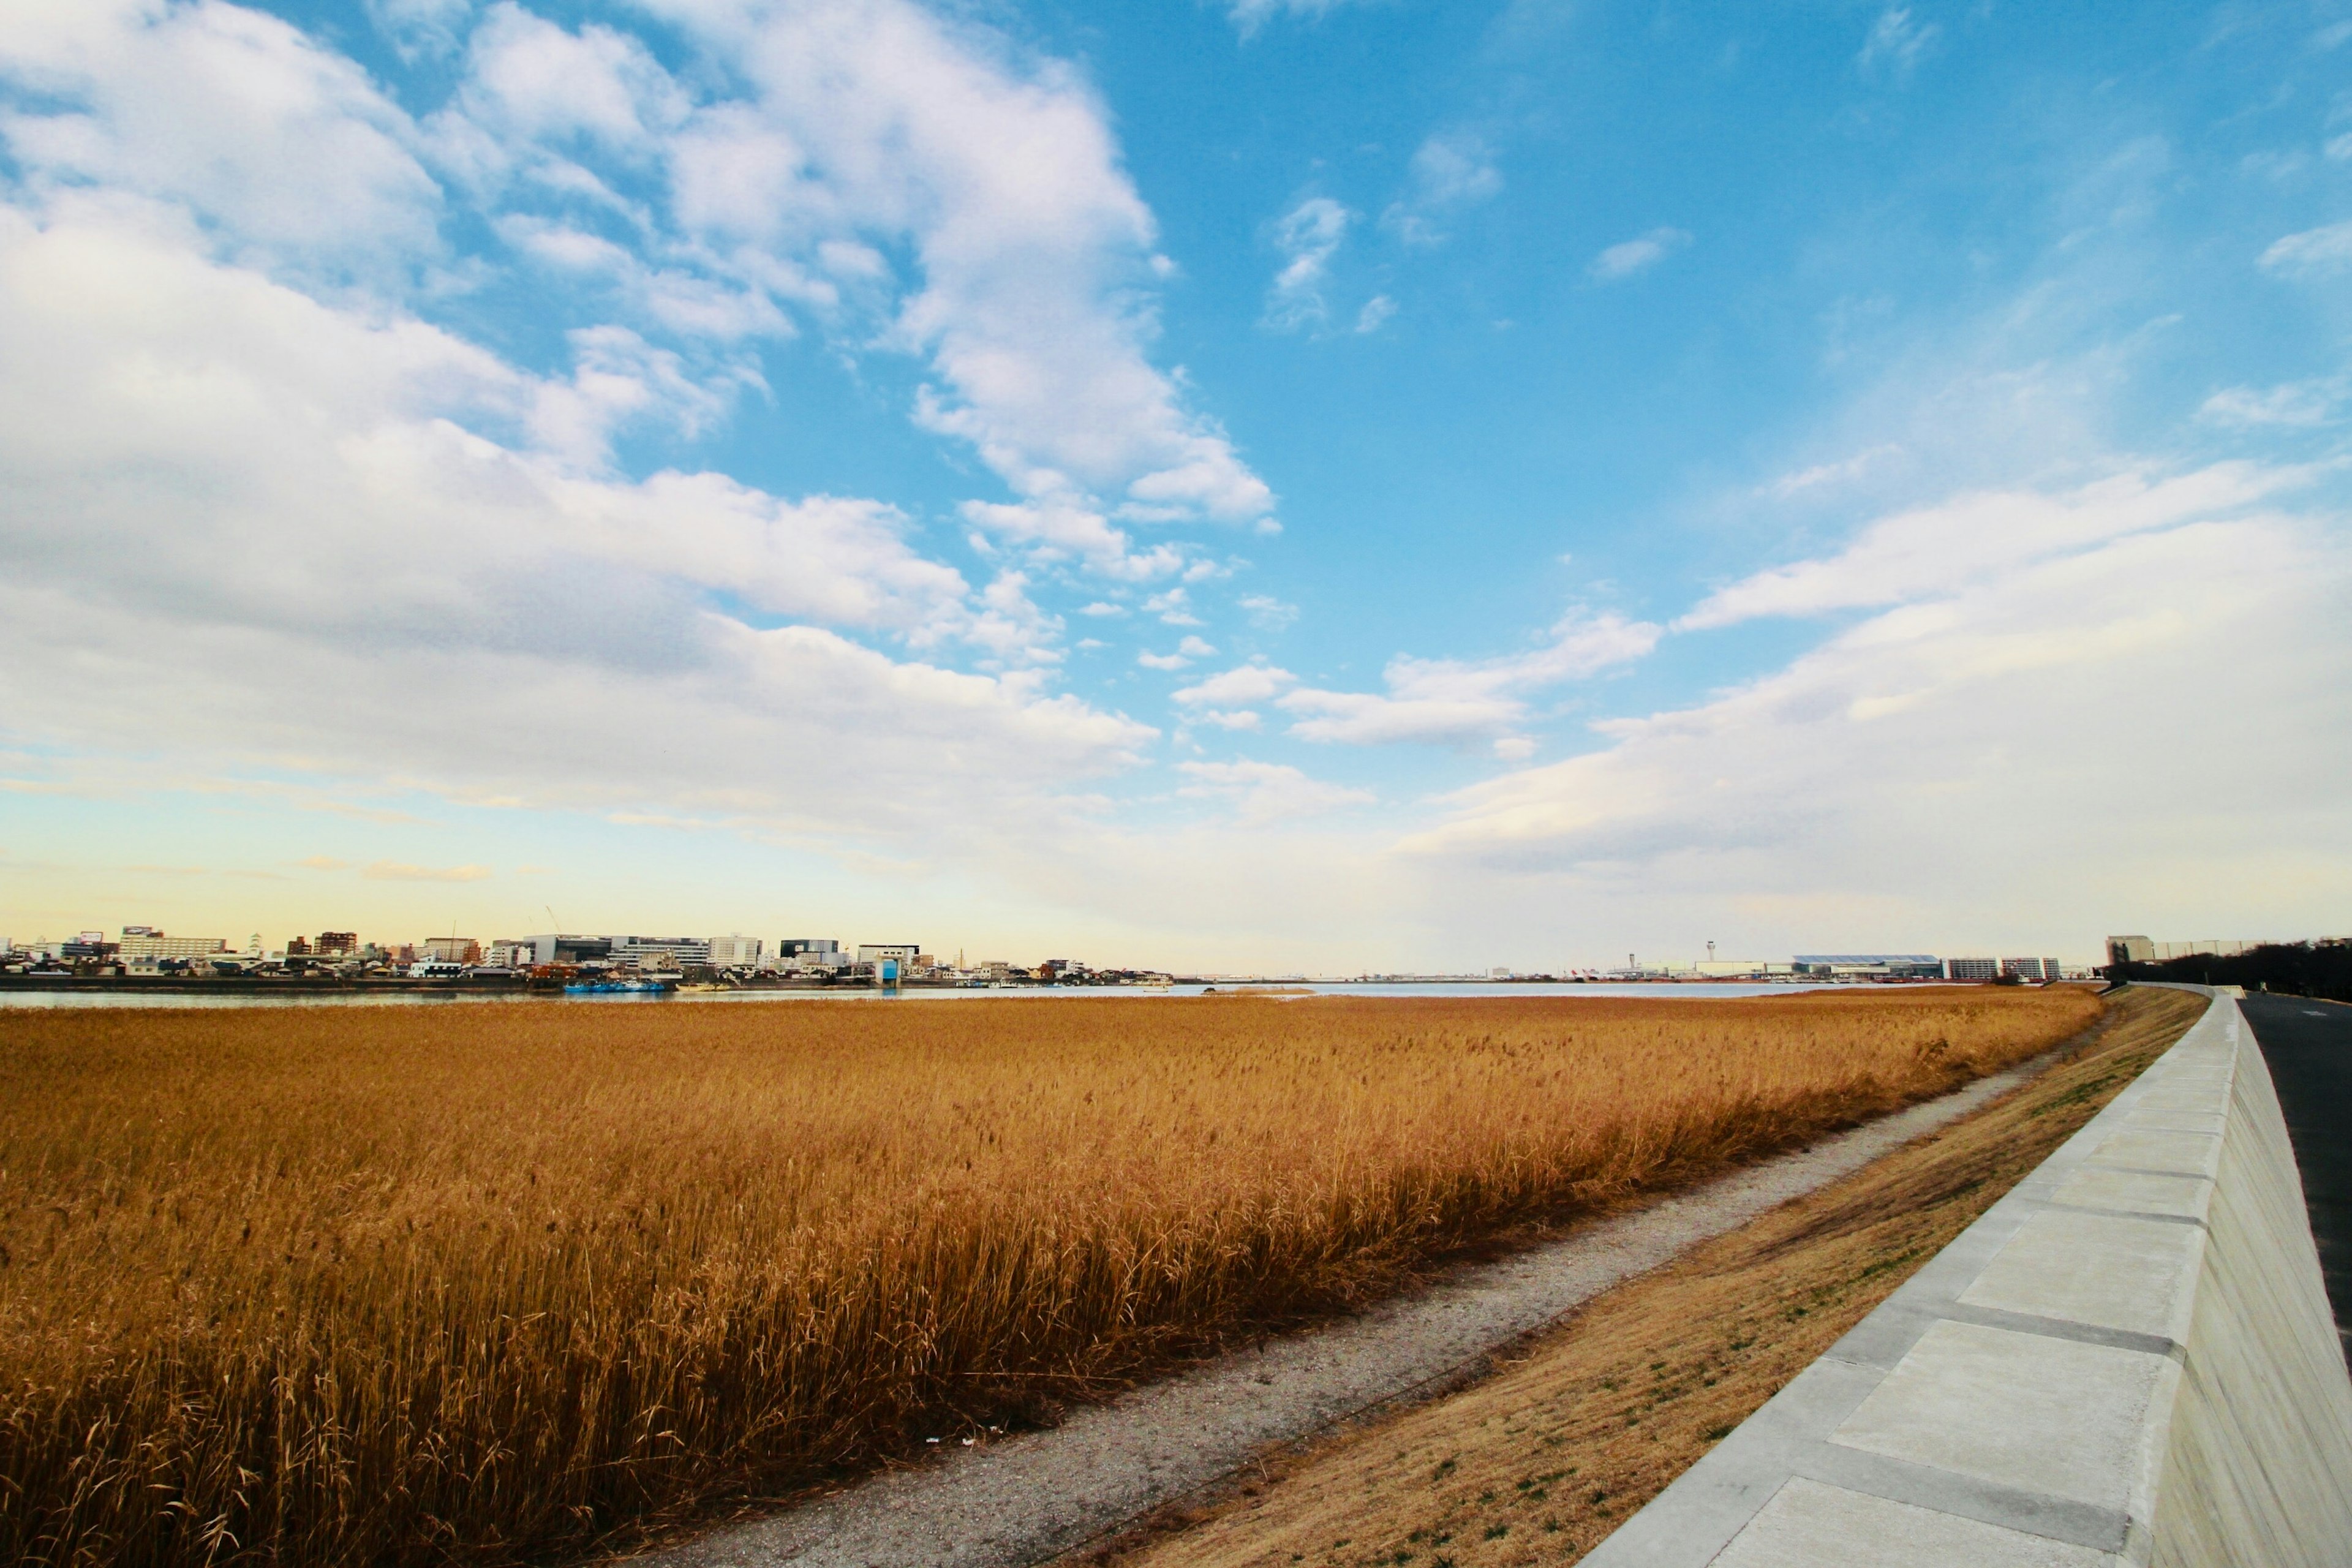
1302	485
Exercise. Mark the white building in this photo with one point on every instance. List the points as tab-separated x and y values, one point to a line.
736	952
154	944
661	952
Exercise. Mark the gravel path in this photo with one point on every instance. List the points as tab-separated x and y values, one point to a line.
1026	1500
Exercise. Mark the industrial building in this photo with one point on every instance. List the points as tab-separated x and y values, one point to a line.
1870	965
2140	950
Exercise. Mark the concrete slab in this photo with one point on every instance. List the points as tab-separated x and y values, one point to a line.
2136	1192
2149	1120
2043	1415
2187	1153
1808	1524
2116	1271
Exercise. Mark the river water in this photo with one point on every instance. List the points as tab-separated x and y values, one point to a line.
1688	991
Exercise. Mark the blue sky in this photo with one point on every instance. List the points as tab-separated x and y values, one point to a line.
1339	485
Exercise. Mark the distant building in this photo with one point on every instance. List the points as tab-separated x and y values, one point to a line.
557	947
2029	968
734	952
1871	966
1972	968
661	952
344	941
1733	968
446	950
906	952
2139	950
148	943
806	952
511	952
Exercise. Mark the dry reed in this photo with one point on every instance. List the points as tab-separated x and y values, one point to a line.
402	1286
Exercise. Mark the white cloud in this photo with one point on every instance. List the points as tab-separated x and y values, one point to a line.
530	81
1830	476
2313	252
1063	528
1625	260
1375	314
798	150
1150	660
1263	793
1249	16
1244	719
417	29
1186	652
399	871
876	121
1451	171
1446	701
1307	235
1234	688
1267	613
1967	762
1939	549
285	149
273	497
2300	405
1174	607
1896	43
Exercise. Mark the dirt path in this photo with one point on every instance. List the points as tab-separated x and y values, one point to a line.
1025	1499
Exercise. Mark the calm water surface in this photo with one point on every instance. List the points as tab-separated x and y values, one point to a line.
56	999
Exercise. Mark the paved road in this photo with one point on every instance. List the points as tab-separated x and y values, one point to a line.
2308	1048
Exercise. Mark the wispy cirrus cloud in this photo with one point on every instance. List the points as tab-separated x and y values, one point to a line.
1897	43
2313	252
1451	172
1249	16
401	871
1308	236
1628	257
1918	553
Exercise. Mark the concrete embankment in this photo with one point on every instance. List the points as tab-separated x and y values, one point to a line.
2129	1359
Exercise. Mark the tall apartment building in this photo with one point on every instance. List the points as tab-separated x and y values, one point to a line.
451	950
734	952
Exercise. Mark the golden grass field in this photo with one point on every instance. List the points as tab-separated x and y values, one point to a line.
486	1283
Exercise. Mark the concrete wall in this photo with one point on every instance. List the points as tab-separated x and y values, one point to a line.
2129	1359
